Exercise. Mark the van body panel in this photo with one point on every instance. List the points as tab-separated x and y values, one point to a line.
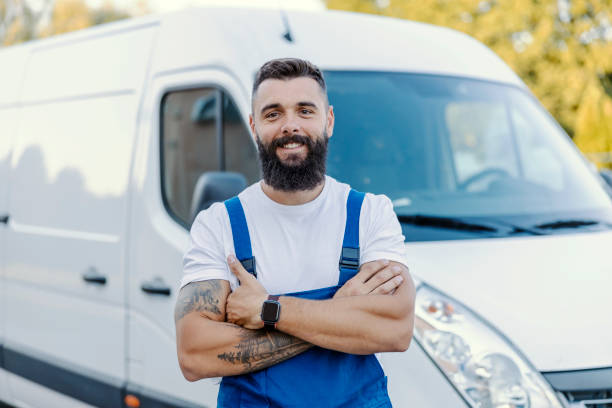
12	63
114	62
531	287
6	116
21	387
68	199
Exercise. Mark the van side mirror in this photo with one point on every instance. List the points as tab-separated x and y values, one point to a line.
214	186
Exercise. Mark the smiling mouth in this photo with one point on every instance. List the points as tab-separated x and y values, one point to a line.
292	145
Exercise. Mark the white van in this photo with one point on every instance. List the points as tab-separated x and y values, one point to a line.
105	133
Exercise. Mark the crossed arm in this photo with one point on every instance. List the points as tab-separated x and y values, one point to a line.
208	346
220	334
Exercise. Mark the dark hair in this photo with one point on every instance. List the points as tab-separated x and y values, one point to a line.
288	68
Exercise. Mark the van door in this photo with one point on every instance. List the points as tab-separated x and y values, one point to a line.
180	140
65	245
12	61
5	153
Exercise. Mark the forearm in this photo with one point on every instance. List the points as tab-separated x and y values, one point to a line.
207	346
357	324
258	349
233	350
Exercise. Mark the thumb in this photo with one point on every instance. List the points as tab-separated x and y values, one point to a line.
237	269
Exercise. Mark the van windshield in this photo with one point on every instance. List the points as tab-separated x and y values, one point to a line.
451	152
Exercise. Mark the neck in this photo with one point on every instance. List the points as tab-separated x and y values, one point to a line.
292	197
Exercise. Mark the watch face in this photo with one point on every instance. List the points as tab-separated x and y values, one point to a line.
270	311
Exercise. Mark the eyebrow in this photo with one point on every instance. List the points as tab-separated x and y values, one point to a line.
270	106
277	105
307	104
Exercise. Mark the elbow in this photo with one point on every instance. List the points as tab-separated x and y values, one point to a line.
402	343
190	375
196	365
405	323
186	363
403	335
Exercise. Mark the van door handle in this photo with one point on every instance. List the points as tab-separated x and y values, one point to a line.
4	219
92	275
156	286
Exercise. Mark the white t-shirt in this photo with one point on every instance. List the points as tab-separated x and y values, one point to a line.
296	247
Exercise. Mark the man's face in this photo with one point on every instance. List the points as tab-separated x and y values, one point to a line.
291	122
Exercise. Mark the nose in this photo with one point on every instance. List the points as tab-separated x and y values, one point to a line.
290	126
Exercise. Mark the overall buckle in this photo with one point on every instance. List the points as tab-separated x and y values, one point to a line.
249	265
349	259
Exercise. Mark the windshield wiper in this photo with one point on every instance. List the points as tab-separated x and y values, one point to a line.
444	222
559	224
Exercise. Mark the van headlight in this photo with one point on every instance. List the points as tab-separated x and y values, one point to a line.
482	365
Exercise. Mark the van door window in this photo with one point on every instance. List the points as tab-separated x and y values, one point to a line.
240	150
190	144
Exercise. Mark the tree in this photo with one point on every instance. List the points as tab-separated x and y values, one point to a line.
71	15
19	22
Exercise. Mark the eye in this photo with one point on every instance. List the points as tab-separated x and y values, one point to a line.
305	111
271	115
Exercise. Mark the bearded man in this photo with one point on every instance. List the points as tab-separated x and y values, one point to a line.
290	288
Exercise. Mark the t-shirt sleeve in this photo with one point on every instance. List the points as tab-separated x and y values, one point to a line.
206	257
380	232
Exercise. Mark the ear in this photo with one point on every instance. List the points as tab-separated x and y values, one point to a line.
252	126
330	121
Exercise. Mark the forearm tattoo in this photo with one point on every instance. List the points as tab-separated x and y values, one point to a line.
259	349
200	297
256	349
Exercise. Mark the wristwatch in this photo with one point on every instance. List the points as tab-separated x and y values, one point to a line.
270	311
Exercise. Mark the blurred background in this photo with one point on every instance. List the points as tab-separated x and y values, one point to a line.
562	49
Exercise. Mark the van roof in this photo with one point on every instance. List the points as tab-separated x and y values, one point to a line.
333	40
243	39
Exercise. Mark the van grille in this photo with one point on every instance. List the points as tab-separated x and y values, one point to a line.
584	388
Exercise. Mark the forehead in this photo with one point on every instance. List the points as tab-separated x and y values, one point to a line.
288	92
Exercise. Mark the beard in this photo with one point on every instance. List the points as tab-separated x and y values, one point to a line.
294	174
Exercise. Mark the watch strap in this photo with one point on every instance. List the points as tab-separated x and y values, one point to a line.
269	324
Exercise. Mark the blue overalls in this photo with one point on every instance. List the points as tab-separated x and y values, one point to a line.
317	378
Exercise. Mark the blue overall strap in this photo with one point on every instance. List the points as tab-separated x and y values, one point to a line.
240	232
349	258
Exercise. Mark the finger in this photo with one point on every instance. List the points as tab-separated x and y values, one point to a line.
382	276
388	286
379	278
352	287
237	268
367	270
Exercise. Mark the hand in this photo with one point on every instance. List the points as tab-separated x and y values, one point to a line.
244	303
376	277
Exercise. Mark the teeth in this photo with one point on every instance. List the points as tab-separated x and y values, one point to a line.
291	145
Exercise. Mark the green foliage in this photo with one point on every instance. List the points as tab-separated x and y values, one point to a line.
562	49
